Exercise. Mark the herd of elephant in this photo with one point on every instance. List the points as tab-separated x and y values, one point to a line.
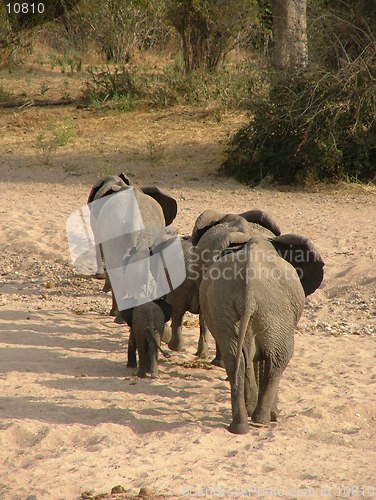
246	281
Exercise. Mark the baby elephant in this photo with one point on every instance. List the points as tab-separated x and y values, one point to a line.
148	323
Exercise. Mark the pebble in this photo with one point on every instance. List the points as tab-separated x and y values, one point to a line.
57	283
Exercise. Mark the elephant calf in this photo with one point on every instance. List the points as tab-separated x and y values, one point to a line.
185	298
251	300
147	326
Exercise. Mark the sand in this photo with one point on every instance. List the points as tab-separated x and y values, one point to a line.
75	419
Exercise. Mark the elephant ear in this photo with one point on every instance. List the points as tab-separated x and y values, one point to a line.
105	187
168	204
302	254
166	309
263	219
125	179
204	222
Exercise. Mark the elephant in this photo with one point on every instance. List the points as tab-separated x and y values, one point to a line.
109	185
185	298
251	298
213	232
210	218
125	225
147	327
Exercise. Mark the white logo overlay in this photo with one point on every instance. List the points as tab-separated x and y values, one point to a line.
143	262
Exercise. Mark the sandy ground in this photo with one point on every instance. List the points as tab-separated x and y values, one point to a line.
74	419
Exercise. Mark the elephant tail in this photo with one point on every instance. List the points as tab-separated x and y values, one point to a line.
151	334
245	317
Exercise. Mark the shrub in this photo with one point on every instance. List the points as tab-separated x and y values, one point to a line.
209	28
104	84
311	127
119	27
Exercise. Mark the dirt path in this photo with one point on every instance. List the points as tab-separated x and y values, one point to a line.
73	418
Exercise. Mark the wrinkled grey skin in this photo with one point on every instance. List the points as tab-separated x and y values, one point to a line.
148	322
251	300
211	234
184	298
214	232
157	210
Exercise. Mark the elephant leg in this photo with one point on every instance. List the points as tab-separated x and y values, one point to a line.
114	308
218	361
153	359
239	424
142	348
100	274
274	411
176	342
166	336
132	360
251	389
107	284
203	341
267	395
255	381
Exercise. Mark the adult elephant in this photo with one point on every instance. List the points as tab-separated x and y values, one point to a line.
126	225
213	232
252	298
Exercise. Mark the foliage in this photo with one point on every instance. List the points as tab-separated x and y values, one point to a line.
119	26
104	84
228	87
209	28
339	31
13	46
53	136
313	126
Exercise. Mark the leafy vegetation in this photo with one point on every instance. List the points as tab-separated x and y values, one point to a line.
209	29
52	137
312	127
110	83
304	126
317	125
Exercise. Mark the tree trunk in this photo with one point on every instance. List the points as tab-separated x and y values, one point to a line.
290	34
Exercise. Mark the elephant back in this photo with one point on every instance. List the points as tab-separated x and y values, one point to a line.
211	218
150	210
108	185
115	183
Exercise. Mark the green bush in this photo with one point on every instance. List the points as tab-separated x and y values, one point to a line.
103	84
314	126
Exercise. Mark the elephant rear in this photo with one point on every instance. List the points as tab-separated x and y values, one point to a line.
252	300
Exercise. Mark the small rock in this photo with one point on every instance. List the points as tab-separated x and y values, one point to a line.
146	492
116	490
